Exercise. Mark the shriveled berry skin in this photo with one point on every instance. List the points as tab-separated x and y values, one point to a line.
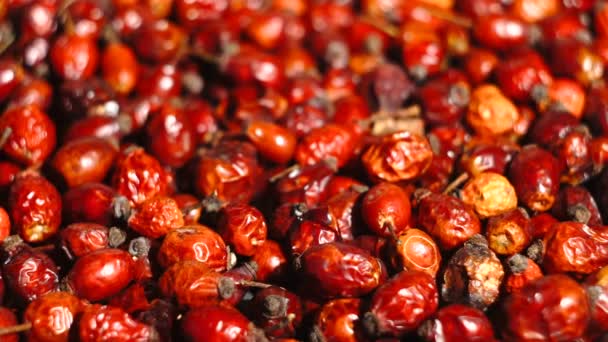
101	274
90	202
597	292
457	322
192	283
32	134
305	185
52	316
171	136
79	239
386	209
84	160
138	176
218	323
337	269
329	141
194	242
8	319
30	274
575	247
401	304
277	311
156	217
243	227
448	220
400	156
271	262
338	320
108	323
534	173
35	208
553	307
74	57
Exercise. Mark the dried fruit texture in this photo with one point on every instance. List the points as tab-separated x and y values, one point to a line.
79	239
274	142
399	156
305	185
101	274
243	227
491	112
575	247
415	250
338	320
29	274
401	304
218	323
508	233
575	203
553	307
103	323
91	202
8	319
305	234
596	286
339	270
489	194
156	217
84	160
271	262
448	220
52	316
277	311
139	176
473	275
35	208
457	322
521	272
196	243
386	209
193	284
534	173
31	135
119	67
329	141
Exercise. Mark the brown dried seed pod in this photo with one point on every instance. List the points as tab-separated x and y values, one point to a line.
490	194
473	275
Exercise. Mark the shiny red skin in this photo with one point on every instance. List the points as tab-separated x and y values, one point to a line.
89	18
501	32
30	274
305	234
192	14
8	173
448	220
597	292
108	323
33	136
338	320
552	127
414	250
108	128
101	274
482	158
37	92
84	160
337	269
342	210
479	64
386	209
562	26
193	284
35	208
230	172
243	227
120	68
216	323
458	322
401	304
277	324
8	319
194	242
301	119
569	198
158	41
171	137
5	225
267	72
156	217
534	173
201	116
444	102
131	299
306	184
161	80
339	184
575	247
90	202
328	141
78	239
553	307
274	142
520	72
52	316
271	261
11	75
189	205
74	57
138	176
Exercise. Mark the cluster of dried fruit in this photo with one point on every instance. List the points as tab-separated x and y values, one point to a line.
323	170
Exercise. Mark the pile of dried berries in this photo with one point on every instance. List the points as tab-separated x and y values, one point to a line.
303	170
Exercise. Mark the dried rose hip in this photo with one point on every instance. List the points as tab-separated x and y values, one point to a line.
101	274
103	322
156	217
339	270
196	243
273	141
386	209
218	323
508	233
277	311
52	316
414	250
78	239
490	194
194	284
271	262
401	304
473	275
447	219
558	304
171	136
35	207
520	272
243	227
90	202
597	293
491	112
457	322
338	319
329	141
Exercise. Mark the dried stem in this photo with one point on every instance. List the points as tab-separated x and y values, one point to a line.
456	183
15	329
